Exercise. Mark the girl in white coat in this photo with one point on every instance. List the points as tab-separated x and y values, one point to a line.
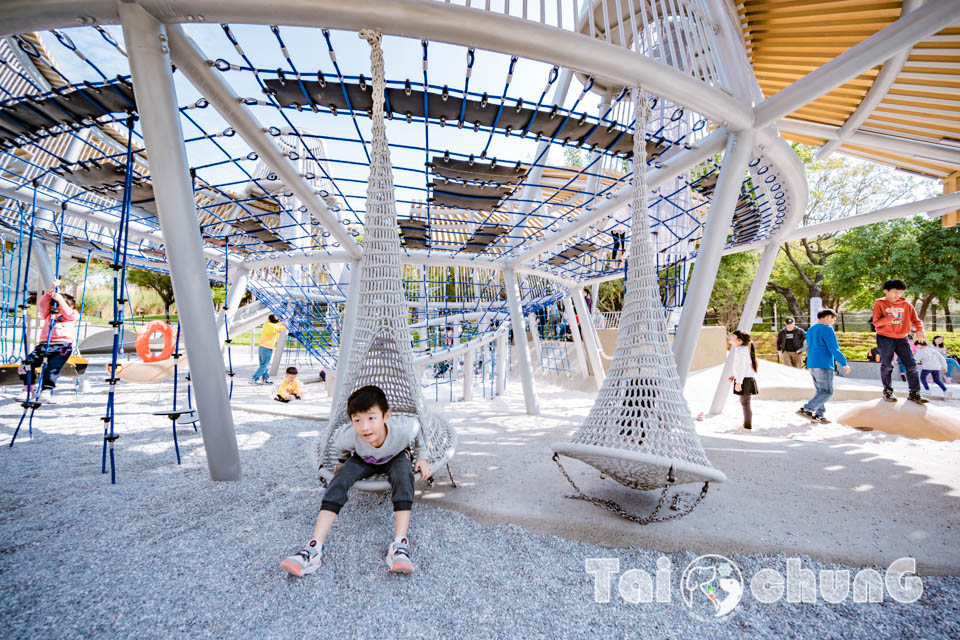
744	370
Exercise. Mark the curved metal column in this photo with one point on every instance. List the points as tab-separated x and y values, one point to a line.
735	160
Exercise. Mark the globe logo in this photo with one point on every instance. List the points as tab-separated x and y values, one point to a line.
712	587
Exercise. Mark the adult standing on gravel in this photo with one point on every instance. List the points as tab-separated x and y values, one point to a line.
790	344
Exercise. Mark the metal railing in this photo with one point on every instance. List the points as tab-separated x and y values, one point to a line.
680	33
847	321
606	319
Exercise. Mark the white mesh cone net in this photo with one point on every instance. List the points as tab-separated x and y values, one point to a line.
381	354
640	431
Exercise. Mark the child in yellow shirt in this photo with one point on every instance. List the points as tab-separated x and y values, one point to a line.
289	387
268	342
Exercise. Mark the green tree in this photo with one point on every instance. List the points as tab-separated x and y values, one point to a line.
219	294
610	296
917	250
573	157
734	277
840	187
159	282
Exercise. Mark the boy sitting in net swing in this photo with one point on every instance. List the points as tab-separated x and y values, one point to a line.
376	445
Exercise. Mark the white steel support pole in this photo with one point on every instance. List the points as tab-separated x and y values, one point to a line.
735	160
532	189
747	317
500	366
237	281
146	42
878	91
278	352
534	325
571	318
469	358
41	259
56	185
589	336
519	338
596	160
455	361
347	324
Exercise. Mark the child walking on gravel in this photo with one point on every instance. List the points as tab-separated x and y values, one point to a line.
377	444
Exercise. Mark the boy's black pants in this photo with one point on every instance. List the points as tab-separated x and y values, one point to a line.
399	470
900	346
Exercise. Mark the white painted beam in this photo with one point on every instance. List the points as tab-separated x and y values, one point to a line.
892	144
152	77
189	59
886	43
878	90
420	19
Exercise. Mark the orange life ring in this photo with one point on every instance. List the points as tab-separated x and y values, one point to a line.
143	341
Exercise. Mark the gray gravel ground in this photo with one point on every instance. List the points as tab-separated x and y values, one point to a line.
168	553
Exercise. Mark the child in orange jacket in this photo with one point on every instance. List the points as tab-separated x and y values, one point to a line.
894	319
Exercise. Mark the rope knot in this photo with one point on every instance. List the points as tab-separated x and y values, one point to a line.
372	36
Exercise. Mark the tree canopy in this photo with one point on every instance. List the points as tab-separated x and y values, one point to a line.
159	282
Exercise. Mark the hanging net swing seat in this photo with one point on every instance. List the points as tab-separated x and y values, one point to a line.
639	431
381	352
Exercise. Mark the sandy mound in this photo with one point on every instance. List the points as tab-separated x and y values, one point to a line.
905	418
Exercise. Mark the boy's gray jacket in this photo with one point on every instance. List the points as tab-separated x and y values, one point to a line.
402	432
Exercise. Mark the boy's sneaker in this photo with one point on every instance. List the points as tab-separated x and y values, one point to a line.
305	561
821	420
398	557
254	381
280	399
806	414
916	397
888	395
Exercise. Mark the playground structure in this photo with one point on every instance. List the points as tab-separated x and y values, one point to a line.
268	190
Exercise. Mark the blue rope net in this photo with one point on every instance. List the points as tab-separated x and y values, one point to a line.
471	179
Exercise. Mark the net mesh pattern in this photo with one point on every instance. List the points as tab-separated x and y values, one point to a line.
640	426
381	354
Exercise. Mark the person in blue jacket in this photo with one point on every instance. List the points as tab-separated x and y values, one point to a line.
823	355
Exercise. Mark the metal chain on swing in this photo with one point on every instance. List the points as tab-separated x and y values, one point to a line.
613	507
642	113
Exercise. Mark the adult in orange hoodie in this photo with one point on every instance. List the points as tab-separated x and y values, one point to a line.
894	319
